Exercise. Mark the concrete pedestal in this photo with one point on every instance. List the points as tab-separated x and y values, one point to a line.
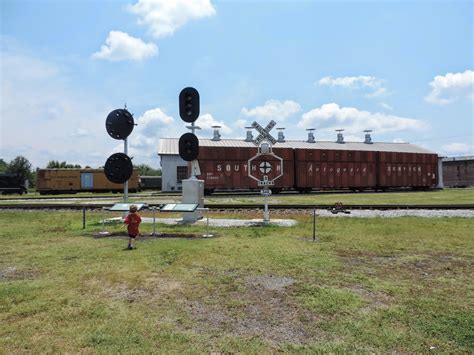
193	192
440	173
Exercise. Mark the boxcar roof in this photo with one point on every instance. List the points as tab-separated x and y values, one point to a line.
447	159
169	146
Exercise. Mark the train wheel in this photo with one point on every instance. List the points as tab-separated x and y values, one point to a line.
208	191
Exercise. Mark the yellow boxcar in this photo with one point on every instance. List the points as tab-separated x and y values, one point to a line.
57	181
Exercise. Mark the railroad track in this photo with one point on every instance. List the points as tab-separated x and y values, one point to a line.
218	194
240	207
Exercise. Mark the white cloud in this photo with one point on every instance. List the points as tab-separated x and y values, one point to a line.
331	116
48	119
386	106
352	82
164	17
377	93
450	87
152	120
121	46
361	82
143	141
206	122
457	148
273	109
80	132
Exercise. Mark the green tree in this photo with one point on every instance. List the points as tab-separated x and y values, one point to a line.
22	167
3	166
146	170
55	164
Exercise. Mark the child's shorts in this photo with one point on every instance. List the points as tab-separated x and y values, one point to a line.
132	236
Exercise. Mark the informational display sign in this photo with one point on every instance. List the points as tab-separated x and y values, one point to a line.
179	207
123	207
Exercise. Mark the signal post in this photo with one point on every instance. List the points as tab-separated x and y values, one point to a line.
193	188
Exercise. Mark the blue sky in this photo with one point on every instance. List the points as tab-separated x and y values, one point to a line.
403	69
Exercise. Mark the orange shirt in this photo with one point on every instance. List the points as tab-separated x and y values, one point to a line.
133	221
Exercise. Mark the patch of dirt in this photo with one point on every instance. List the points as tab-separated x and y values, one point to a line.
437	265
270	282
420	264
122	235
11	273
149	291
262	307
375	300
410	265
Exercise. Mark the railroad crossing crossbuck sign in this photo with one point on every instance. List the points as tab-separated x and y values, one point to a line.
264	133
264	143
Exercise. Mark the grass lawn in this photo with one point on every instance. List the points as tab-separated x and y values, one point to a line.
378	285
446	196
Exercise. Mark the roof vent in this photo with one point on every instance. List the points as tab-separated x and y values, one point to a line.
310	135
249	137
281	136
217	135
368	139
340	137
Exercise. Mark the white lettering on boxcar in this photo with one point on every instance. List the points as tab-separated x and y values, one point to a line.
236	167
219	167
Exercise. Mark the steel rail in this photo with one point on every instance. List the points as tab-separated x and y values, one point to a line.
97	206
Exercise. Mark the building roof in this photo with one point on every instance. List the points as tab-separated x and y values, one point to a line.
169	146
458	158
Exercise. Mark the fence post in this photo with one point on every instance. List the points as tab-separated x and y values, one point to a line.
83	218
314	224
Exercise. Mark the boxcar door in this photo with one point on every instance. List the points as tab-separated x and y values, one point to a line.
87	181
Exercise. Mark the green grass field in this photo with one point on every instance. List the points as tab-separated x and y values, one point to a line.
368	285
446	196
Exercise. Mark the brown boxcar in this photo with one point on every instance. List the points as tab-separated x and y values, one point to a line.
318	165
334	169
227	167
56	181
361	166
458	171
417	170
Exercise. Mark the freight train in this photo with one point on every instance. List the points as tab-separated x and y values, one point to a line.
305	166
60	181
12	184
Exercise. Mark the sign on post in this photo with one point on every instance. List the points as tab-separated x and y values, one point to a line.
264	143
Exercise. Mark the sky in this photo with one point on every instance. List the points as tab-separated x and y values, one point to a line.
403	69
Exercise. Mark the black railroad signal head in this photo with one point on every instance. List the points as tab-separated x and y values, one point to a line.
189	104
188	147
118	168
119	124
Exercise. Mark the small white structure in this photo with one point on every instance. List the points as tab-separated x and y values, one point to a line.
174	169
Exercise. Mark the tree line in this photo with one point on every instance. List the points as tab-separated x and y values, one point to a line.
22	167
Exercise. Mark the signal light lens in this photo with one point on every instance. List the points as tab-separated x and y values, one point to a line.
189	104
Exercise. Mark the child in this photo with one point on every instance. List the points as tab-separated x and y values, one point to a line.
132	221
